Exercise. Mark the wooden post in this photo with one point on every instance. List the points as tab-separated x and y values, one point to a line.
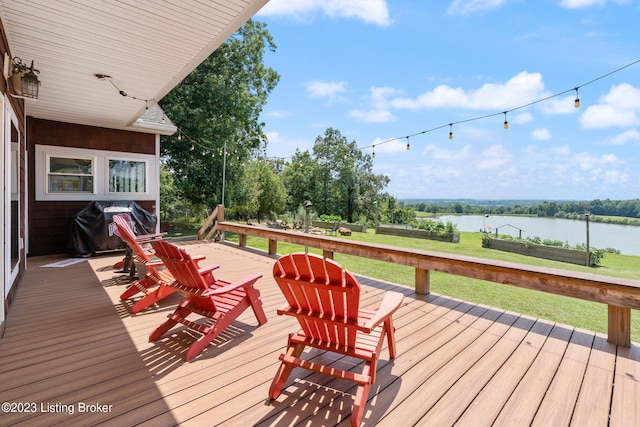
586	217
220	219
327	254
242	240
273	247
422	281
619	329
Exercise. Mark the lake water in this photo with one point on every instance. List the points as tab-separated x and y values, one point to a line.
625	238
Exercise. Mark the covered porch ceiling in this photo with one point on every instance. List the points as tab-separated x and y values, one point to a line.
146	47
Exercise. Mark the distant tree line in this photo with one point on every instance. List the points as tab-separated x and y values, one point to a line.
569	209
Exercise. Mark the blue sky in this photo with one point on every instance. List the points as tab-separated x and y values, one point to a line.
378	70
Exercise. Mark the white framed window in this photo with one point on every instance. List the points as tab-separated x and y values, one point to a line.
70	174
127	176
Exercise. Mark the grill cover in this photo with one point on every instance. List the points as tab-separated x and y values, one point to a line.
92	229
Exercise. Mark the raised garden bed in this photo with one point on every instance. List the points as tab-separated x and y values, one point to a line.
419	234
361	228
554	253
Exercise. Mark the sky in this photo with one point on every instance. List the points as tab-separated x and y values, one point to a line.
391	73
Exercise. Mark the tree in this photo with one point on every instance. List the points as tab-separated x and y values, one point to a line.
217	109
337	178
299	179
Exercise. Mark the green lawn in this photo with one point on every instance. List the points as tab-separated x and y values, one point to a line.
570	311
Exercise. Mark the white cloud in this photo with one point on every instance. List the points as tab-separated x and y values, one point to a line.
521	118
466	7
331	90
564	105
445	154
282	146
542	134
369	11
615	177
523	88
372	116
619	107
582	4
589	162
278	114
628	136
563	150
494	157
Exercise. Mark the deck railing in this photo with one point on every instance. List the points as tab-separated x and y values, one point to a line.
620	294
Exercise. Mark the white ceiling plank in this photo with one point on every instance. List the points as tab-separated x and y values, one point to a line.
147	47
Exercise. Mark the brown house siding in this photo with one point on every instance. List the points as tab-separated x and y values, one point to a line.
49	220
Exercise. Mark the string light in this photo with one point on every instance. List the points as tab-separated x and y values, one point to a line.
373	154
506	124
408	146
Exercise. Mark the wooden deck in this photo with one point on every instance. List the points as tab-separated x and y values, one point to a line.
70	343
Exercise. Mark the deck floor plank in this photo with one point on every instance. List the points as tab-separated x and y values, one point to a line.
69	339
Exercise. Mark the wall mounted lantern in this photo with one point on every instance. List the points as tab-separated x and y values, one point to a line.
23	78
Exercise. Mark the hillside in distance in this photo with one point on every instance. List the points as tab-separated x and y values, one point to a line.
481	202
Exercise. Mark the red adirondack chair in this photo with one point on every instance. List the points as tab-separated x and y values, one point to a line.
127	264
325	299
154	284
219	302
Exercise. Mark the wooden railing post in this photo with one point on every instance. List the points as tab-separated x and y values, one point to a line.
273	246
619	328
216	216
220	219
327	254
422	282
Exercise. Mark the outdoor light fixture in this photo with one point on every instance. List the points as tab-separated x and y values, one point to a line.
506	123
23	78
577	101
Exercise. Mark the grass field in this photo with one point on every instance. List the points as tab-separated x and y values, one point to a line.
570	311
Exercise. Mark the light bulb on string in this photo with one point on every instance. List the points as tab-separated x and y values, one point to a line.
373	154
408	145
506	123
576	103
450	130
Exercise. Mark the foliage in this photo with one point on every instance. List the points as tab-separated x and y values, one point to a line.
173	206
330	218
620	212
337	177
596	254
435	226
217	109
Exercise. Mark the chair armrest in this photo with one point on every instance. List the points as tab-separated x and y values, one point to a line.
390	303
198	258
145	238
246	281
208	269
154	264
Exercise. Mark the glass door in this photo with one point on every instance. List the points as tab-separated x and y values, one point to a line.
11	196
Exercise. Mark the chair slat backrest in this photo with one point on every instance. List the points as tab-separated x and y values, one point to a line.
128	236
182	267
323	296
